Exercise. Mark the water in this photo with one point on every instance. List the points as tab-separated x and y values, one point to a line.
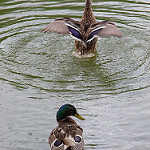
39	74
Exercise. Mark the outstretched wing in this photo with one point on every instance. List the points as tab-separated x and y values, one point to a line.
65	26
57	26
104	28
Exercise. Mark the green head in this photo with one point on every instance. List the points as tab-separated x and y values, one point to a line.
67	110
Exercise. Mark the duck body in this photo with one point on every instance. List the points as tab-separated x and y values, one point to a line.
67	135
88	19
85	32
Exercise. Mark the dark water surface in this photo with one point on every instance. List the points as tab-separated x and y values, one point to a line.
38	74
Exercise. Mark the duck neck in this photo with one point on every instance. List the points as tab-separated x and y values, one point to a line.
88	3
88	14
88	7
67	120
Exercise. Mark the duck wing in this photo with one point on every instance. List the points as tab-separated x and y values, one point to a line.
79	141
57	26
104	28
65	26
66	137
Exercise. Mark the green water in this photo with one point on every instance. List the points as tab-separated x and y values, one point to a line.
38	74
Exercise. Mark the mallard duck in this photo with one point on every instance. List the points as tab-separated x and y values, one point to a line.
67	135
85	32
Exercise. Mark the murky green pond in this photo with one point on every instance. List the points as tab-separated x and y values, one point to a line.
38	74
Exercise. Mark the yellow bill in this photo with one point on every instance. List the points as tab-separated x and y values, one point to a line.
79	116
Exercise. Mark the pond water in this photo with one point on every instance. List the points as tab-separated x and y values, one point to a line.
38	74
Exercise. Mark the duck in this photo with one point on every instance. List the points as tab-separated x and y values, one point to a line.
85	32
67	135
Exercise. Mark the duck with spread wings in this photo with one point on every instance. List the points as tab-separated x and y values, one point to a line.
85	32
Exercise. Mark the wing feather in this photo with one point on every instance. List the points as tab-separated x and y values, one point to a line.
58	26
104	28
110	30
65	26
66	134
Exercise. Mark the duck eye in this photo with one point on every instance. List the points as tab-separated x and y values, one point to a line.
77	139
57	143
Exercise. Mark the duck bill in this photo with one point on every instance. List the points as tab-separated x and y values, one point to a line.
79	116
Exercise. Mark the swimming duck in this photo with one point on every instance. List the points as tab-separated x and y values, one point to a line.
67	135
85	32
